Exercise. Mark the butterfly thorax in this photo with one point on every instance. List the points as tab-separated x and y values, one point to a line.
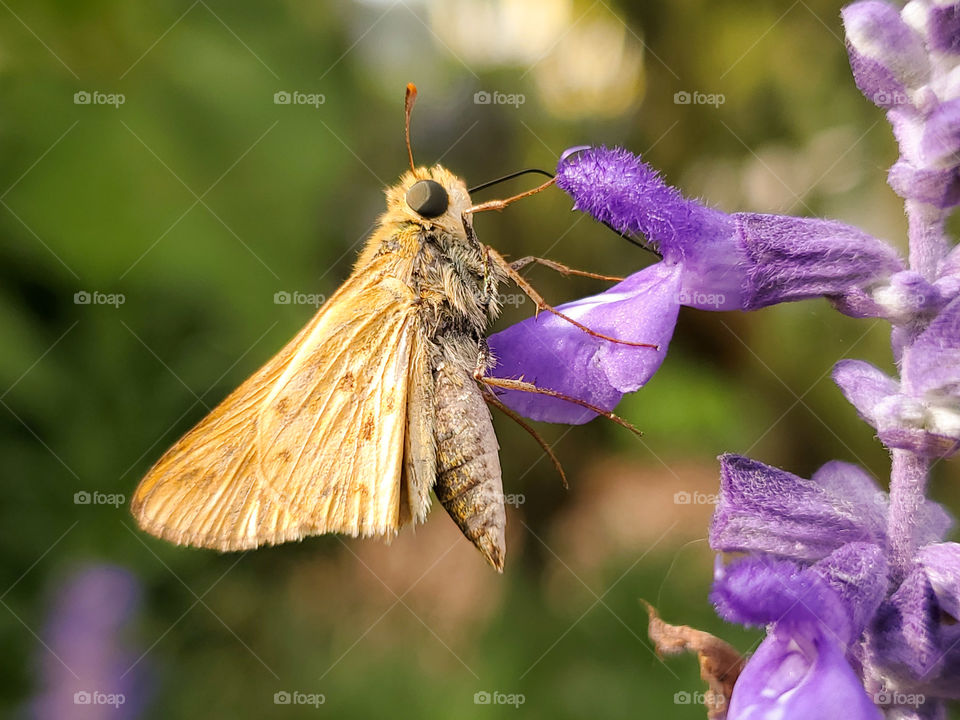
442	262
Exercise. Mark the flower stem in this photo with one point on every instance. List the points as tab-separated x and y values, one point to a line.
909	472
908	483
928	244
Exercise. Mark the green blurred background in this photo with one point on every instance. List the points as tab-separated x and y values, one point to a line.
199	198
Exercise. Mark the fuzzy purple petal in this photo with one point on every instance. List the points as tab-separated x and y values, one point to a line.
941	136
864	386
842	591
768	510
932	364
935	186
918	440
617	187
887	56
553	354
795	258
800	672
909	297
943	27
951	263
913	640
857	575
941	562
755	590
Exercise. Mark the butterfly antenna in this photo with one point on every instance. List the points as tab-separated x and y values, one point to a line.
409	99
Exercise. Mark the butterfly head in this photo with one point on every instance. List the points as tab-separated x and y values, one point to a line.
432	197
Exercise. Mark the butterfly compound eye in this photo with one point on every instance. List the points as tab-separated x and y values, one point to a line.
428	198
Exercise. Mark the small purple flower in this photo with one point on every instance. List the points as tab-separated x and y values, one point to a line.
799	671
914	642
815	615
817	567
87	672
710	261
763	509
920	413
904	62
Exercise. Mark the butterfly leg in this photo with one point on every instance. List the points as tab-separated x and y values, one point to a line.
493	400
502	264
523	386
560	268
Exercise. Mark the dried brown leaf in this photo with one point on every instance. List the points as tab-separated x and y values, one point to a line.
720	663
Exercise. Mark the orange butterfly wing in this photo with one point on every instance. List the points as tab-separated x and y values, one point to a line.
314	442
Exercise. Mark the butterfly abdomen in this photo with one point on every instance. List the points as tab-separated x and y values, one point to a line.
468	483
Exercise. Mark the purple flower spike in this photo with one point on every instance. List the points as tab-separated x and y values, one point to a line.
88	670
904	62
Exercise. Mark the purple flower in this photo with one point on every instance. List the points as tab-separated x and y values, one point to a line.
904	62
921	412
815	615
86	670
763	509
858	591
710	261
818	571
799	671
914	642
544	351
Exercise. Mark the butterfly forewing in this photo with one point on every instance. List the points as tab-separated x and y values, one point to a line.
314	442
